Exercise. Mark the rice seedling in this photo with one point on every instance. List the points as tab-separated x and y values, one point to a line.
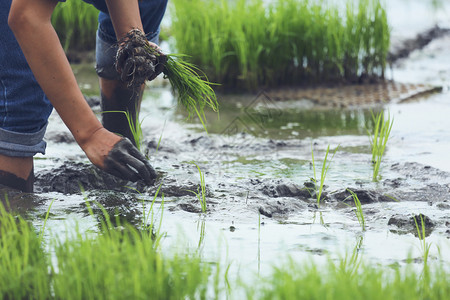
378	140
41	231
294	280
349	265
75	23
358	210
201	227
188	82
23	263
193	92
148	220
252	44
319	183
201	190
425	246
122	264
134	125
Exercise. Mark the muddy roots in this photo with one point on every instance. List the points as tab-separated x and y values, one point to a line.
137	60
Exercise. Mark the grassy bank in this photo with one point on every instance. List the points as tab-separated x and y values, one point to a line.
125	264
247	44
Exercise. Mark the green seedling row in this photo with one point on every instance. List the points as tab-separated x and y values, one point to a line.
122	263
250	44
76	23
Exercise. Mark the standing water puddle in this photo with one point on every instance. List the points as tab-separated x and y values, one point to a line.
256	160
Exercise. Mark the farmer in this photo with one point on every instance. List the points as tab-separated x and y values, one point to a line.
26	101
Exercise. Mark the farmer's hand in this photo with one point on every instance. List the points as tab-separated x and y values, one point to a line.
118	157
138	60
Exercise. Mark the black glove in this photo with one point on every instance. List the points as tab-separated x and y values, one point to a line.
126	162
137	60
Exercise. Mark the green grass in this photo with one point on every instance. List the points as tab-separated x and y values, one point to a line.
42	230
310	281
424	245
76	23
249	44
201	190
319	183
119	263
358	210
191	86
23	263
122	263
148	219
134	125
378	140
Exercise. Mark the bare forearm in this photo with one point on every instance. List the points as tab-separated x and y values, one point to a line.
46	58
125	16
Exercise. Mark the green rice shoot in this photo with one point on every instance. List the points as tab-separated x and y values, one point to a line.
378	140
193	91
134	125
201	190
253	44
358	210
424	245
122	263
75	23
319	183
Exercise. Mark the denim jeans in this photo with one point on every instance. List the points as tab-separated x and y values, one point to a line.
24	108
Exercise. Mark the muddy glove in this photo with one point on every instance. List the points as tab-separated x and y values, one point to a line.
137	60
126	162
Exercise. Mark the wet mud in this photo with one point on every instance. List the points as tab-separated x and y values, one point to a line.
277	198
19	202
402	49
411	224
71	177
257	163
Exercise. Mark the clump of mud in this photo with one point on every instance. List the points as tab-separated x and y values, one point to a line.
364	196
408	224
73	178
404	49
119	207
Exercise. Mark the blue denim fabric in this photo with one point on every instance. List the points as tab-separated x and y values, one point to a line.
24	109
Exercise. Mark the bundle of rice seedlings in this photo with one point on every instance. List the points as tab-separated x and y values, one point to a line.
138	61
193	90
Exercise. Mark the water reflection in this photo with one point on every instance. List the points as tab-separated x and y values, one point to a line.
286	120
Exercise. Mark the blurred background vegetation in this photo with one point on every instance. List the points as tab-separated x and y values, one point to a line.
246	45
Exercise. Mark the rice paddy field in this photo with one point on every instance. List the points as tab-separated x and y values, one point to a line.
322	180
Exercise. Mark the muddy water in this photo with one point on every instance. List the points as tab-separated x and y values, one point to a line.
257	161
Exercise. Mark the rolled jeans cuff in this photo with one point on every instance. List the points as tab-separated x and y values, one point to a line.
20	144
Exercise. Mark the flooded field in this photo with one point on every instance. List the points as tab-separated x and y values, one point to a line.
257	162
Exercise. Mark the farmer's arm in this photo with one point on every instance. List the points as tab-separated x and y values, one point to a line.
30	20
124	16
